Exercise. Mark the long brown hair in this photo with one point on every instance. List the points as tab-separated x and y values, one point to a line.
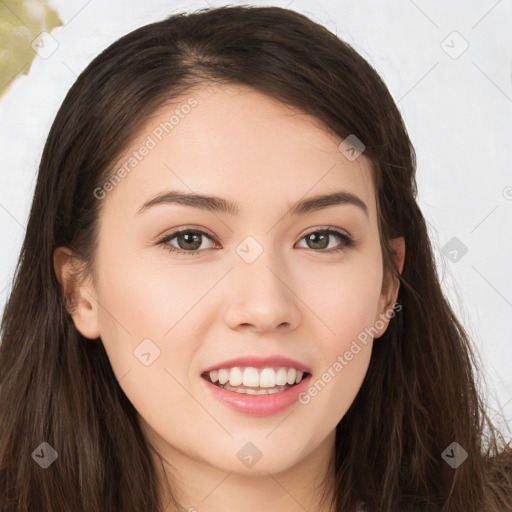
420	393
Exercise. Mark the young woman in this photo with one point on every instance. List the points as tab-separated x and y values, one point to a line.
227	299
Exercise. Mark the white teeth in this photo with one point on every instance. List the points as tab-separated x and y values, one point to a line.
267	378
281	377
235	377
223	376
256	378
251	378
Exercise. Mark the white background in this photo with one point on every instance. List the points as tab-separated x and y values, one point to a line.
458	112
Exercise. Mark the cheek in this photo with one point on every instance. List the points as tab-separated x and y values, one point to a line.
344	298
144	331
332	392
142	316
348	309
143	296
345	357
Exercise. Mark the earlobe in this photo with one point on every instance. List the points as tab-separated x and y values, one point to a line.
78	297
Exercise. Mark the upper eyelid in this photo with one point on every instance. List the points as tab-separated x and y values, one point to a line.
176	232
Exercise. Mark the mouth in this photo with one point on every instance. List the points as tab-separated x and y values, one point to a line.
256	381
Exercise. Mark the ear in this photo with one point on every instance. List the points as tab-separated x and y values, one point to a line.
79	296
389	296
398	245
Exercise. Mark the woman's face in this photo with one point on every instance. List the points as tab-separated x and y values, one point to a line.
259	284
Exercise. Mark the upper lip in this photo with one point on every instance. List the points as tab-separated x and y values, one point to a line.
260	362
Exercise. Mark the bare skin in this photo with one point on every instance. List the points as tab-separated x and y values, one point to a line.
294	299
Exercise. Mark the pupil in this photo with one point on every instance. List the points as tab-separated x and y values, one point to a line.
316	235
186	236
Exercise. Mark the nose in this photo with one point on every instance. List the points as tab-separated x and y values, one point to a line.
259	296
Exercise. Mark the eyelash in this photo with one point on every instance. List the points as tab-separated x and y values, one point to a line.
347	241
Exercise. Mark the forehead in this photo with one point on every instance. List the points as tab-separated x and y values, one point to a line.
238	143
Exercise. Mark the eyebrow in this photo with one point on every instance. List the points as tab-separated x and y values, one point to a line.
218	204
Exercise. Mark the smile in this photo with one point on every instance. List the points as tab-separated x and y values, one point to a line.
255	381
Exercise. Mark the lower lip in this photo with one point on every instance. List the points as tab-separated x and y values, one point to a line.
258	405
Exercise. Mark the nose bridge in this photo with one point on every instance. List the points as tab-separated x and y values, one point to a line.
262	294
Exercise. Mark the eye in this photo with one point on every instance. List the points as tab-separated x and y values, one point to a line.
319	239
189	240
